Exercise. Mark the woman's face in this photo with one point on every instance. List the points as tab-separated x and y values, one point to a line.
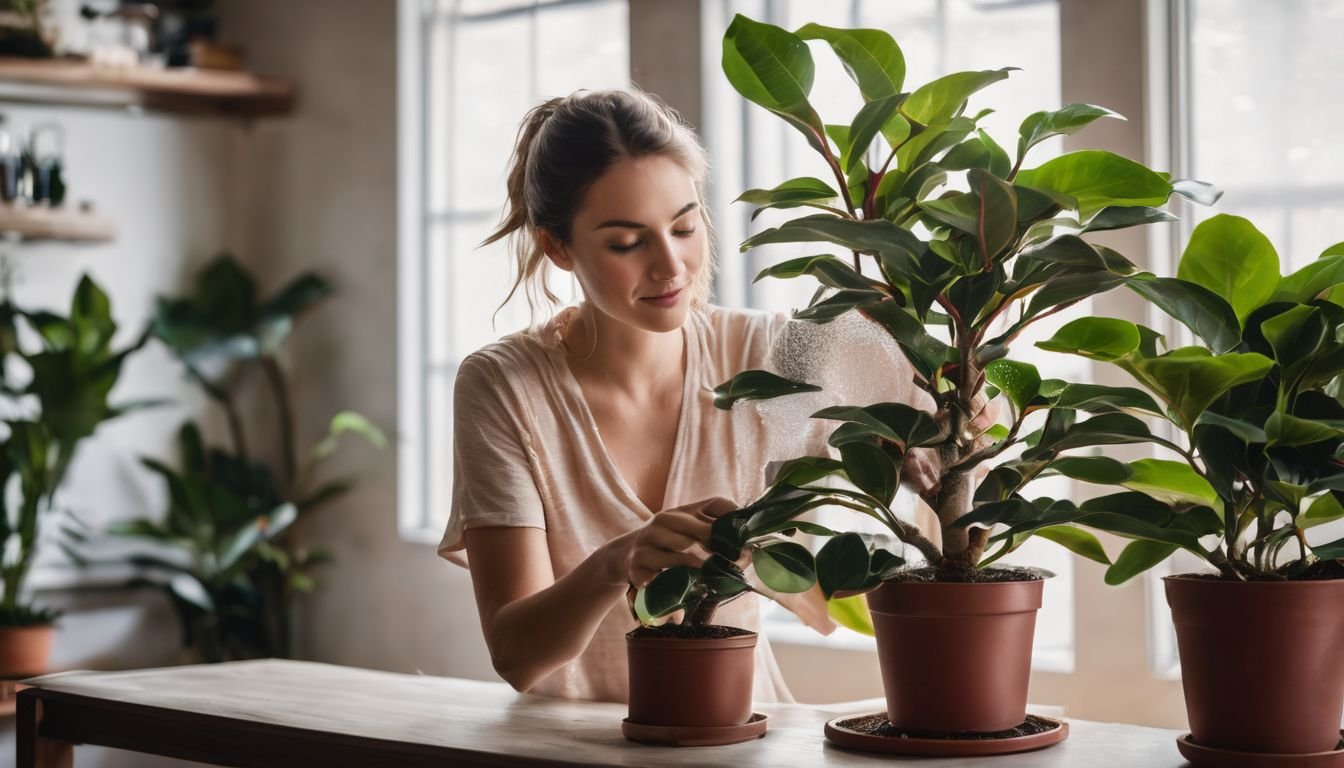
637	243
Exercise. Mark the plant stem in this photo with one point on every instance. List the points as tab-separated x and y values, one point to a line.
276	377
221	396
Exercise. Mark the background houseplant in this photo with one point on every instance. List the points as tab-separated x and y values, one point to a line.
223	552
62	401
1256	407
956	249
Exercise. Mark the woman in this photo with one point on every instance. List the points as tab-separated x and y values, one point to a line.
588	455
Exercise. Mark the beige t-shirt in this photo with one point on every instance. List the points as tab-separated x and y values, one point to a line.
527	453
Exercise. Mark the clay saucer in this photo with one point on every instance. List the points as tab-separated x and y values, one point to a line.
694	735
1223	758
861	741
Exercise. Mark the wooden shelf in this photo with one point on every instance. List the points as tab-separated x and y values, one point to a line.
66	81
40	223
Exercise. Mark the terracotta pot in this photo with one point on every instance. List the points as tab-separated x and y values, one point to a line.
1261	662
24	651
681	682
955	657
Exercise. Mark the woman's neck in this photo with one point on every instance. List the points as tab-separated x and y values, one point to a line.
630	359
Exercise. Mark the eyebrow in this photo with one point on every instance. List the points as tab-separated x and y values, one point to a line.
636	225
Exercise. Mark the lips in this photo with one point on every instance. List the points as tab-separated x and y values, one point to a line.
664	300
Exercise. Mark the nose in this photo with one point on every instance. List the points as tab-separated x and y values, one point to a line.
669	261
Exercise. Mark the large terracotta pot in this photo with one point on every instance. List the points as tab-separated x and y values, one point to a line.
691	682
1261	662
955	657
24	651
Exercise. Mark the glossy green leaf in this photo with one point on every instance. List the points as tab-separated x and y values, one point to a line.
1287	430
1234	260
871	57
828	270
667	593
1172	482
867	124
843	565
1125	216
1243	430
1137	557
805	191
873	236
1067	120
1097	179
1201	310
1099	398
1020	381
1076	540
1323	509
1190	379
1320	276
757	385
871	469
785	567
1331	551
773	67
1101	470
852	613
1096	338
943	99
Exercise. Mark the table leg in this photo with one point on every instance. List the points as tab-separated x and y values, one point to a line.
35	751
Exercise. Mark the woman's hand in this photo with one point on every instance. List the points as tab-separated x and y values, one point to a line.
922	468
676	536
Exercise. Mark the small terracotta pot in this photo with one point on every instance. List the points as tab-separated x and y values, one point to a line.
1261	662
690	682
24	651
955	657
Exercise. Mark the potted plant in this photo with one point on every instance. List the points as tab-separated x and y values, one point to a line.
62	401
224	552
691	680
956	248
1256	404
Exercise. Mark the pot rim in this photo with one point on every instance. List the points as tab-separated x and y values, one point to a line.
1201	578
693	643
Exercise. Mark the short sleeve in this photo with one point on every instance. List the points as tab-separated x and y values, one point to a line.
494	481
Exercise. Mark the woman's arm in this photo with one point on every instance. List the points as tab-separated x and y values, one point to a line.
533	623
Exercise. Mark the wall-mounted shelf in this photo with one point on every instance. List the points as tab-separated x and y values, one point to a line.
39	223
63	81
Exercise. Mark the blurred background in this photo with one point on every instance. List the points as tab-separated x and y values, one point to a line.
348	156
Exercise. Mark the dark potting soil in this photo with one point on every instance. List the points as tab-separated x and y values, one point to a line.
930	574
690	631
1321	570
878	725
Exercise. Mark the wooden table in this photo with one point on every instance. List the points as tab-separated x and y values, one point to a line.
291	713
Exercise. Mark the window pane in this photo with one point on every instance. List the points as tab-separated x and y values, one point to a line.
486	63
1263	85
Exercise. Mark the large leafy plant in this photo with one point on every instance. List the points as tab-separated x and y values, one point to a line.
1254	404
224	552
62	401
956	247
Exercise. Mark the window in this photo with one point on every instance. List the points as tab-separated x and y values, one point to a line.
469	71
752	148
1253	88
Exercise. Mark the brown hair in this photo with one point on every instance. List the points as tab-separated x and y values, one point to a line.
566	144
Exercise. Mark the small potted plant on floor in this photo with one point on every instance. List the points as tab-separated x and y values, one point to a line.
58	401
1256	403
955	249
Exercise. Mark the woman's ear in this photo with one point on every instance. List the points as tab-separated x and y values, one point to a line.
555	250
